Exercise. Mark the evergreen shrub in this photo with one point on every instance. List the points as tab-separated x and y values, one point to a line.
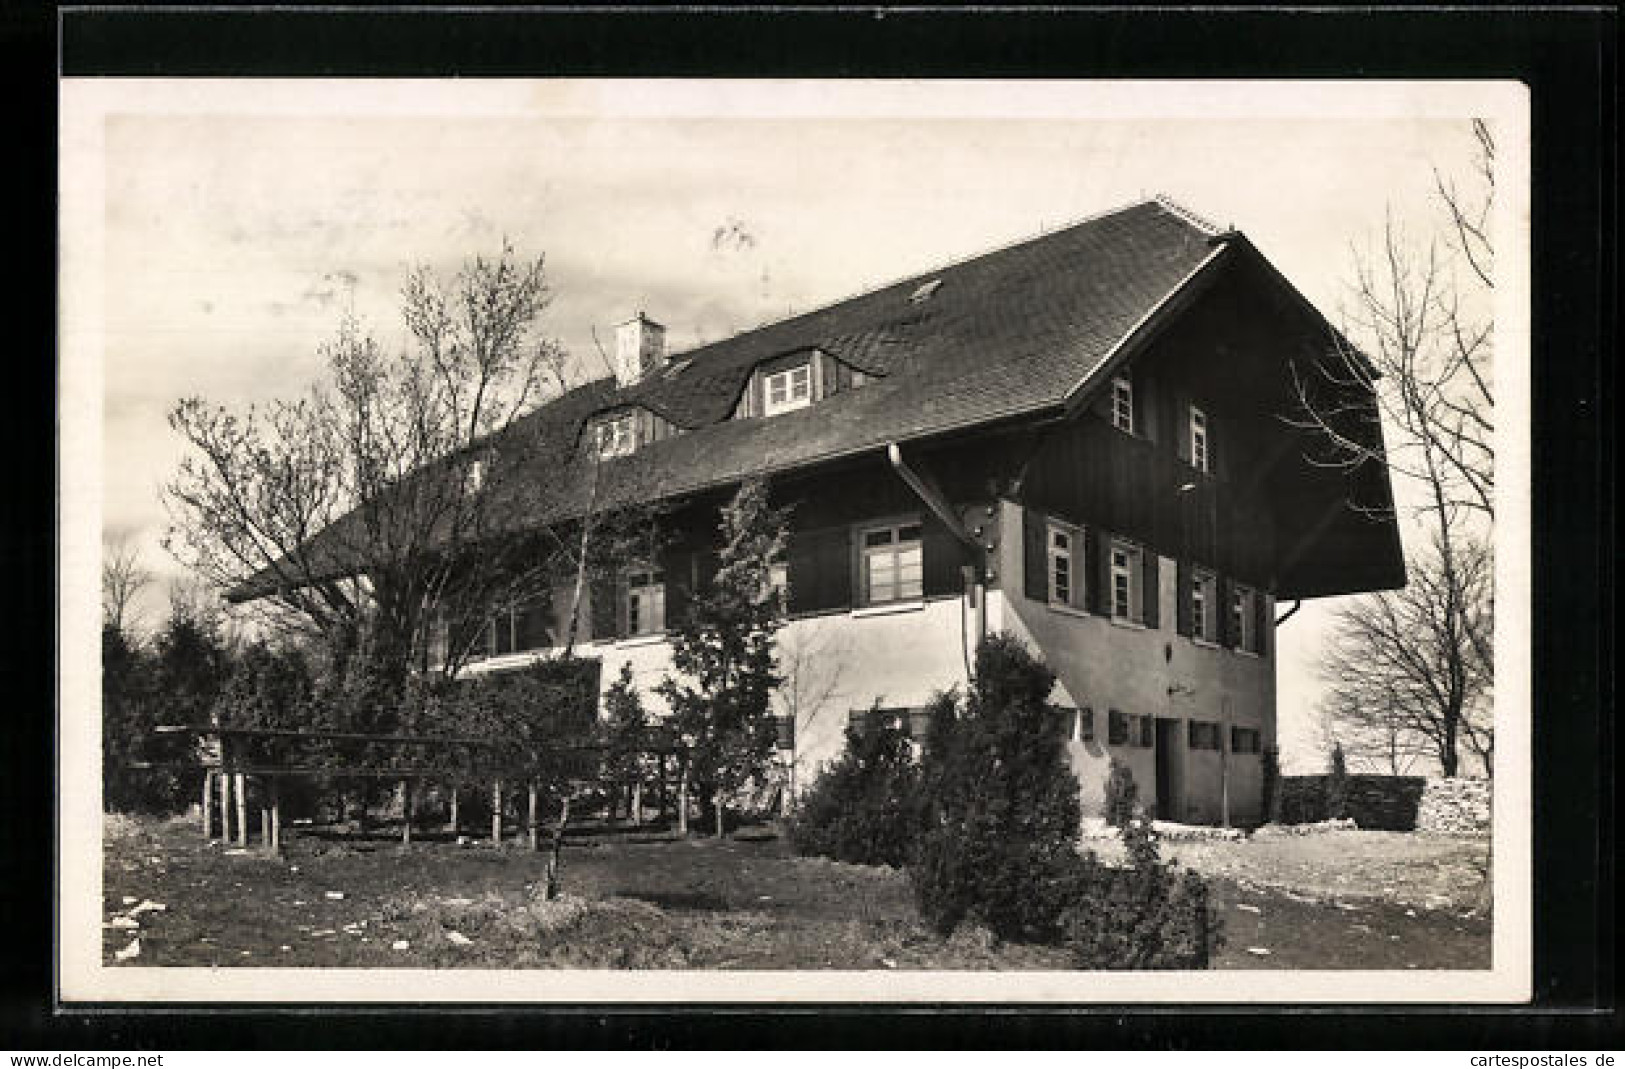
999	804
864	807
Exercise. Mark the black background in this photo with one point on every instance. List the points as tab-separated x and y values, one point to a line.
1568	60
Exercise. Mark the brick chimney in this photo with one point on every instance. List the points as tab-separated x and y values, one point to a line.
640	347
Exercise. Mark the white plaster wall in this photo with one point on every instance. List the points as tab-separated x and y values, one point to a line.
1104	665
833	663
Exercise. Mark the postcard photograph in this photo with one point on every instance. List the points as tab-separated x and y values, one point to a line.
824	541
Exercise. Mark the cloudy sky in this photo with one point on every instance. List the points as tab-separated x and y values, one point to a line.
214	231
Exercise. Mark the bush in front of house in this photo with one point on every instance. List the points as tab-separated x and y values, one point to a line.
1122	795
1149	915
1000	807
864	807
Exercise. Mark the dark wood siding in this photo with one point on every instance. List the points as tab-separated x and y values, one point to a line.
944	556
820	569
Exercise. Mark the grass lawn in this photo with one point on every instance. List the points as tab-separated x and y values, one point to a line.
649	900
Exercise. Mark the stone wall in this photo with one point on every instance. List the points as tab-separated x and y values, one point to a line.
1455	807
1394	803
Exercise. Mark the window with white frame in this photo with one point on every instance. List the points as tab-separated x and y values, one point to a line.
1204	605
786	390
892	566
645	601
1065	577
1128	581
1123	404
616	436
1199	449
1244	618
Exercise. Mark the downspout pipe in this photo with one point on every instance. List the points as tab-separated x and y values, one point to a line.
975	588
1296	605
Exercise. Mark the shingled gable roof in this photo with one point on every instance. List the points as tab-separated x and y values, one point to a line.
1018	330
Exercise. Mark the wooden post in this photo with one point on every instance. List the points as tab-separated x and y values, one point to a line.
530	813
223	777
637	802
496	813
453	815
265	823
276	815
682	798
207	809
240	787
406	811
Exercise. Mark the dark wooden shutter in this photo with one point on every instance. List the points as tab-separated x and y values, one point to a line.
1182	426
1097	548
820	570
1227	630
1263	624
942	556
1034	554
1145	407
1217	445
1151	593
605	607
1182	597
678	566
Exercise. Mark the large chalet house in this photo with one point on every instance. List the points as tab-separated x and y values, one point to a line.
1086	439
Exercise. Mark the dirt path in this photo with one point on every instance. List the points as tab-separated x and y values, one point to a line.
649	901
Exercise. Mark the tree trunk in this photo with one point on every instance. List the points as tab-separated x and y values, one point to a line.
452	820
496	813
637	802
682	799
555	859
406	811
716	806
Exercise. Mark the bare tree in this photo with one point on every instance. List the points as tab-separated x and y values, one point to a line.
389	504
123	579
1405	675
1420	310
1412	670
812	665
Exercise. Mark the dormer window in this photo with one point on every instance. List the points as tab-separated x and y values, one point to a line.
615	436
787	390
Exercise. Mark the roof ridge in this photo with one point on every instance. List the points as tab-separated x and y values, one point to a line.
1043	232
1200	222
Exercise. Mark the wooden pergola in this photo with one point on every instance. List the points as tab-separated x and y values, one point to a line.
228	774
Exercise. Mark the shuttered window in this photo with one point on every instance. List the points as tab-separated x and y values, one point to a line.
1127	577
1199	457
1244	618
1065	577
1116	727
1204	735
645	602
1204	612
892	563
